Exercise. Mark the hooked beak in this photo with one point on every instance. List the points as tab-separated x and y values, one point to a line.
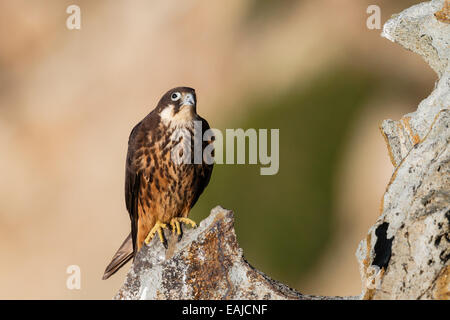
188	100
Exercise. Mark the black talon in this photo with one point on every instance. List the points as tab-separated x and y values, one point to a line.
165	243
181	233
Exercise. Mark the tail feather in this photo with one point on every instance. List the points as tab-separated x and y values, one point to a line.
122	256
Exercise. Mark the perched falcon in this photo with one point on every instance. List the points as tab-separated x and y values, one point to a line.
159	191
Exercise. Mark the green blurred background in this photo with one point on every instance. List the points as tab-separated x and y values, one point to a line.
284	222
68	100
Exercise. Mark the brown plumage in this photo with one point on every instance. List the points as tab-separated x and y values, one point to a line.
157	188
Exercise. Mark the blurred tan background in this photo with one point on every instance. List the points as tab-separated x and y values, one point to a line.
69	98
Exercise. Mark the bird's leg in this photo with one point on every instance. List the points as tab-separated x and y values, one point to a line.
158	227
176	227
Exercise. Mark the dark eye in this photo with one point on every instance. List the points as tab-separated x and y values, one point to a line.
175	96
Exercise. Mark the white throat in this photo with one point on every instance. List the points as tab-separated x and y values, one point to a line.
184	117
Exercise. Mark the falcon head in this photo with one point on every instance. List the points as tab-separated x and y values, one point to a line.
178	106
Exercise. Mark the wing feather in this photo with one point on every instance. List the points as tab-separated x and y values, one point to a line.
132	185
204	174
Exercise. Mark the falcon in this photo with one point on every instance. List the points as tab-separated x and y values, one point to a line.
160	191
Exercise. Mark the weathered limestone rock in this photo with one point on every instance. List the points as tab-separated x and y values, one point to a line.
406	253
419	30
206	264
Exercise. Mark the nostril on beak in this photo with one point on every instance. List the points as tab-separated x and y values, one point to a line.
189	100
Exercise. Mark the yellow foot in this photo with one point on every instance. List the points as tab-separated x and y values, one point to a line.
159	226
175	224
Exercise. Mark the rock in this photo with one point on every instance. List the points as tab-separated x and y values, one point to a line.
206	264
418	30
406	253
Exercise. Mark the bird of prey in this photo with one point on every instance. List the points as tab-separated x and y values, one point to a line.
160	192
